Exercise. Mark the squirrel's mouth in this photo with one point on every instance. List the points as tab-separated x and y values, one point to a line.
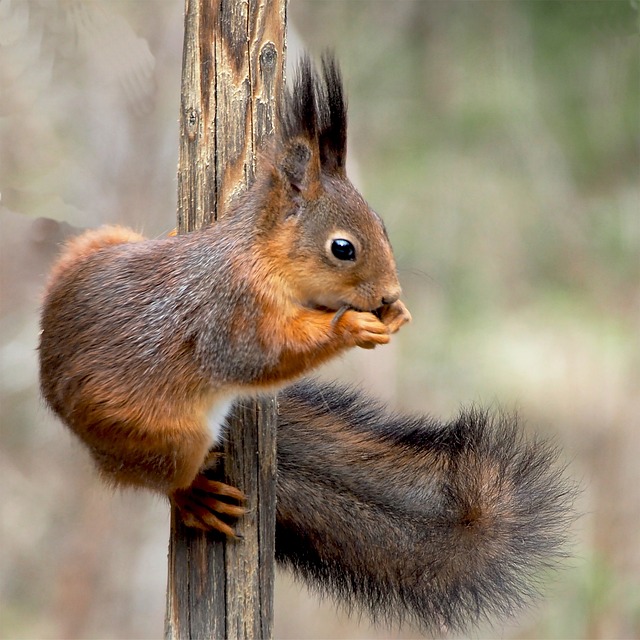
339	312
339	304
346	307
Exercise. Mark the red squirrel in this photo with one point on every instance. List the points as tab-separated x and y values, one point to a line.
146	344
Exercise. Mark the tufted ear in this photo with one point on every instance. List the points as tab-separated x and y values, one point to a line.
313	125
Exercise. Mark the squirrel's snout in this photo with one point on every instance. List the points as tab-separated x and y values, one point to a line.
391	296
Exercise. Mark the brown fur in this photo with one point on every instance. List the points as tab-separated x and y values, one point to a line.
141	339
79	248
444	524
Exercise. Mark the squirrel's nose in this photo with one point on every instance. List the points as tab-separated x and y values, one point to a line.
391	296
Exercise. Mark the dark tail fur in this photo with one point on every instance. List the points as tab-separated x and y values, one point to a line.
444	524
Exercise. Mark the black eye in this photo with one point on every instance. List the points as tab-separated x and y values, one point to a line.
343	249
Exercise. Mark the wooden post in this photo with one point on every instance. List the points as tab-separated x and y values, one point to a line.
233	67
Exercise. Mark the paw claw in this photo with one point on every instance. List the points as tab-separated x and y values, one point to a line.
199	505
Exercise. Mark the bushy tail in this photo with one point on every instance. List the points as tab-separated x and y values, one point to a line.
445	524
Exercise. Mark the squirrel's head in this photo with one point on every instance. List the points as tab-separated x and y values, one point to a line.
337	250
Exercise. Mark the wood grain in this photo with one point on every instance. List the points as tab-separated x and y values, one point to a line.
233	68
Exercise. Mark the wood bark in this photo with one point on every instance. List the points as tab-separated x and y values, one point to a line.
233	67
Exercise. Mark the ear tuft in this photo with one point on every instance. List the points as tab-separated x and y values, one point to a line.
332	136
299	114
315	111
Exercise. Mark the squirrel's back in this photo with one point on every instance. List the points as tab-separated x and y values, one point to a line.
81	247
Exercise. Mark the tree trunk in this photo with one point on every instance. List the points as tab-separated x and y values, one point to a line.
233	67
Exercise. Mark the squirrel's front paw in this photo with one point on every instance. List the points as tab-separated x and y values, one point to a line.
200	505
393	316
364	329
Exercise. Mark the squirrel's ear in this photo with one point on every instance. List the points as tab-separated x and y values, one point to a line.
298	161
299	165
313	125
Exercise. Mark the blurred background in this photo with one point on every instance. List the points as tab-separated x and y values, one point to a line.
499	141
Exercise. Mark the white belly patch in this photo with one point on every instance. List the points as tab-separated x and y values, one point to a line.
216	418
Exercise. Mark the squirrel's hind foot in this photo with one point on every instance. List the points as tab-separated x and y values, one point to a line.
201	506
